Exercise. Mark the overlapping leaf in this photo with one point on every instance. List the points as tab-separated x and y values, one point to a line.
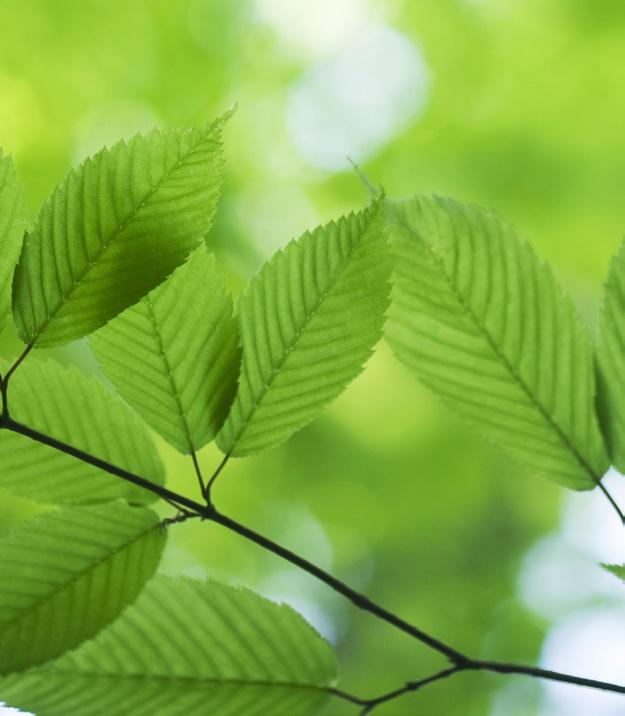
483	323
67	574
114	229
192	648
309	321
174	356
611	361
61	402
12	227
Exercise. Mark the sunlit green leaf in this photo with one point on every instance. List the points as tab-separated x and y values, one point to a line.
62	402
192	648
174	356
12	227
483	323
611	361
114	229
66	574
309	322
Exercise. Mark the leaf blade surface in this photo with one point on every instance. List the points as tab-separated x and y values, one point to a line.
174	356
13	222
309	321
483	324
114	229
67	574
203	646
60	401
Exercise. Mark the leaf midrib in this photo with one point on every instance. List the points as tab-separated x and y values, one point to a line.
76	283
503	359
174	678
169	373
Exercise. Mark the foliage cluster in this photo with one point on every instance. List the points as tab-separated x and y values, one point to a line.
117	254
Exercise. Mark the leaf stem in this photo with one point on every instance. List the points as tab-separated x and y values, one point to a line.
20	359
209	487
198	472
611	500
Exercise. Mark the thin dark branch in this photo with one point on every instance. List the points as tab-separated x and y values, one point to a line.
503	668
356	598
210	513
460	661
371	704
171	497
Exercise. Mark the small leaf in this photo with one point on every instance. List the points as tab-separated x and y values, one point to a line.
205	647
309	321
618	570
12	227
483	323
611	361
67	574
174	356
61	402
114	229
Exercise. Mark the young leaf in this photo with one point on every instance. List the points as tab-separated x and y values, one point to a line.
114	229
61	402
174	356
611	361
67	574
483	323
618	570
309	322
12	228
201	646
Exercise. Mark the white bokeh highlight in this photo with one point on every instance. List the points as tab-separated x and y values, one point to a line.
315	29
586	643
354	102
562	580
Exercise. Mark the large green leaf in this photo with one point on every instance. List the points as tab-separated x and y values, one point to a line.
309	322
114	229
187	647
67	574
483	323
611	361
12	228
174	356
62	402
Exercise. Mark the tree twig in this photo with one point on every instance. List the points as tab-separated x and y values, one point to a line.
460	661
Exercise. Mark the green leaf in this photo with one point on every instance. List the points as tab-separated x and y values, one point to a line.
611	361
67	574
114	229
12	227
309	322
483	323
174	356
618	570
201	646
61	402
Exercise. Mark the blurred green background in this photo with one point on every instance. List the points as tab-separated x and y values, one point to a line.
515	104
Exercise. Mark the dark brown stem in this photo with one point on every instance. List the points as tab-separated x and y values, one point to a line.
189	508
